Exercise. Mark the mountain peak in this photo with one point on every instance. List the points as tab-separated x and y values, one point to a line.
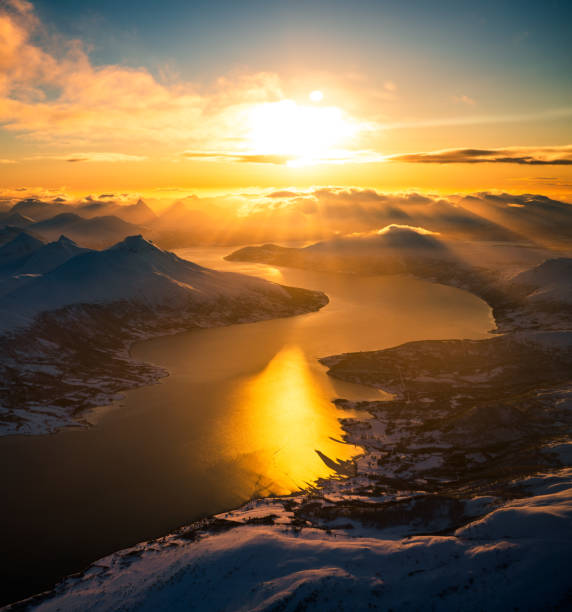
135	244
64	240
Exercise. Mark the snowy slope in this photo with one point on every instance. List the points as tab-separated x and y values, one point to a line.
515	557
50	256
18	250
550	281
134	271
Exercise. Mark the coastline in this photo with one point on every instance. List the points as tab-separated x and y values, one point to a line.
390	505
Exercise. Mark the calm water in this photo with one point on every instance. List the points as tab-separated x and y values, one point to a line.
241	414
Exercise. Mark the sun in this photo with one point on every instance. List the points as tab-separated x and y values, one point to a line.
301	134
316	96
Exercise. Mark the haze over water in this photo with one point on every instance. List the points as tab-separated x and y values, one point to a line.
242	413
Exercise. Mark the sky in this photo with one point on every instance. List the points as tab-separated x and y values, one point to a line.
190	97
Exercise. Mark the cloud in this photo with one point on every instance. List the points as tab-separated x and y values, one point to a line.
529	156
100	157
418	230
321	213
7	161
238	157
334	157
283	194
50	91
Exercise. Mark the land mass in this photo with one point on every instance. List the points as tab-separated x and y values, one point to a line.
462	498
66	332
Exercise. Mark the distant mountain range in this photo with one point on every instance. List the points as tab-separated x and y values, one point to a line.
101	223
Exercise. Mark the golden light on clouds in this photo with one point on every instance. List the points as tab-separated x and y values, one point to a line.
257	126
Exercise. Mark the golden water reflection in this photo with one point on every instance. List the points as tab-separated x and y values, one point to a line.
282	416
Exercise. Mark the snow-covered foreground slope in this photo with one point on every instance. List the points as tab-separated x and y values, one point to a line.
65	334
515	557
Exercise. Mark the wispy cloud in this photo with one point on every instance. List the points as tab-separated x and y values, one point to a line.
94	157
218	156
333	157
529	156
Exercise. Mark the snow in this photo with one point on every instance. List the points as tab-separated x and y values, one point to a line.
133	270
549	282
491	564
447	533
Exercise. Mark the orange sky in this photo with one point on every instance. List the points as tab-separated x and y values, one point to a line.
75	121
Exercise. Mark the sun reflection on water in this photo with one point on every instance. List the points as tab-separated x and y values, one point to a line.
284	418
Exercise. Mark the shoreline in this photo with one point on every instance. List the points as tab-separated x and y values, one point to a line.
335	506
52	362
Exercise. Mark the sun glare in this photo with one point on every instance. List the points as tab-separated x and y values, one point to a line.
302	134
316	96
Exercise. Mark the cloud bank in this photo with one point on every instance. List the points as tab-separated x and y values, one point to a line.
529	156
326	212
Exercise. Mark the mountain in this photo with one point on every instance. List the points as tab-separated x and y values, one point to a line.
393	250
550	282
138	213
57	223
82	316
18	250
25	258
15	219
39	210
393	237
95	233
9	232
135	271
50	256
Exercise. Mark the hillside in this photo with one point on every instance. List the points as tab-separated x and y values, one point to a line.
81	317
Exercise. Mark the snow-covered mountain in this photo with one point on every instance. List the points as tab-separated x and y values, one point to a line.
392	250
135	271
98	303
393	237
16	252
551	281
25	258
50	256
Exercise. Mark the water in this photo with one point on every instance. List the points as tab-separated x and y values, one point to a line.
241	414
